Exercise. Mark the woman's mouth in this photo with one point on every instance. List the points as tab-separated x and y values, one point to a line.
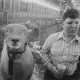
72	30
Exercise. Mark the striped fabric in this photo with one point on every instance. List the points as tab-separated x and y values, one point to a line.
62	52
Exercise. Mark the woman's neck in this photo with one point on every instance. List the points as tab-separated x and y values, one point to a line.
68	37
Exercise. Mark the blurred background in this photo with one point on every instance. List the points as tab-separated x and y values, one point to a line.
42	16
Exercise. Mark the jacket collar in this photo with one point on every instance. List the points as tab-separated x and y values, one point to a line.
61	36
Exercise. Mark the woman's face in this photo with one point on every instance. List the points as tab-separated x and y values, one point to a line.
70	26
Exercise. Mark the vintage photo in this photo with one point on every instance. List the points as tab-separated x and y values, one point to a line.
39	39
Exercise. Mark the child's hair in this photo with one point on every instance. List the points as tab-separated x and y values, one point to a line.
71	13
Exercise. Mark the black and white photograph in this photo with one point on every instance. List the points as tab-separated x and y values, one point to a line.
39	39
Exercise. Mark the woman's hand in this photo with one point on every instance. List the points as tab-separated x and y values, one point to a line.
61	67
60	70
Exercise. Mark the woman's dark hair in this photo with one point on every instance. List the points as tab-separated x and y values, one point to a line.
71	13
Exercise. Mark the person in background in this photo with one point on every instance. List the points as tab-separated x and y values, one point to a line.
63	50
